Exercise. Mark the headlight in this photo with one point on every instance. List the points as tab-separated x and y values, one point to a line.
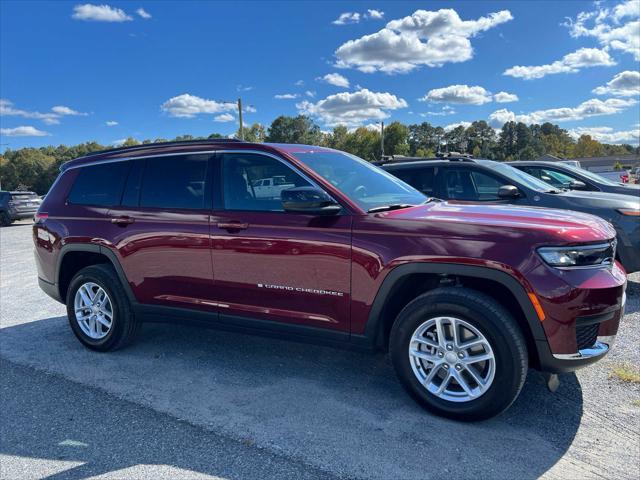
580	256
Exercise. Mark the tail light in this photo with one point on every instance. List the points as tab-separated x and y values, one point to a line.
40	217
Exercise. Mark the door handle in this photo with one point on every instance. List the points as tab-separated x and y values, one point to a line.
233	226
124	220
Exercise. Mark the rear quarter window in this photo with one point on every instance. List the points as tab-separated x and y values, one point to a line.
99	185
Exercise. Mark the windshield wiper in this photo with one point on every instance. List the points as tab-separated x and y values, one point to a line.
386	208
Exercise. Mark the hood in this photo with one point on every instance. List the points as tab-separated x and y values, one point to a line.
546	224
600	199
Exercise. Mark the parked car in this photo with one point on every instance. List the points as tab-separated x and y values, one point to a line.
617	176
573	163
464	297
489	182
566	176
270	187
635	173
17	206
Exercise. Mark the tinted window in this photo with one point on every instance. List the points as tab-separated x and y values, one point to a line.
175	182
419	178
246	181
471	185
551	177
131	195
99	184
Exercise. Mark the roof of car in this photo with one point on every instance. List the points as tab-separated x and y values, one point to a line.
536	162
433	161
188	146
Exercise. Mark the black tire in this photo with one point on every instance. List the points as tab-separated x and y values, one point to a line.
5	219
124	327
489	318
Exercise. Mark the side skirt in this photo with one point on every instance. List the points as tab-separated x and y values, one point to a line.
265	328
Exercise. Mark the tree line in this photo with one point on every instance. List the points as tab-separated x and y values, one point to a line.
36	168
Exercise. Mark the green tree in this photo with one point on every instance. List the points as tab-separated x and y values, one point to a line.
300	129
364	143
587	147
255	133
338	138
396	139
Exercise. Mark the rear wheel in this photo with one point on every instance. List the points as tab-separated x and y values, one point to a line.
459	353
5	219
99	310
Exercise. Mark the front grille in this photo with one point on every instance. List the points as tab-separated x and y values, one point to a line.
586	335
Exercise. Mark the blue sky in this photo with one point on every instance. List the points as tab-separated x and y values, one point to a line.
72	72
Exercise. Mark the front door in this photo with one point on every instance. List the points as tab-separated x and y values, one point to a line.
271	265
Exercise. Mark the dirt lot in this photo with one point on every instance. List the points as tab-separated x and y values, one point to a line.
196	403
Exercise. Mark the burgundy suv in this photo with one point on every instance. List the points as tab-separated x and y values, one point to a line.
316	244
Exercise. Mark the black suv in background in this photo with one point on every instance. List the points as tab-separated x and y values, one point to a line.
574	178
465	180
17	205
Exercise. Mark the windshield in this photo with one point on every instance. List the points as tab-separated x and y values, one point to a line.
592	176
523	178
367	185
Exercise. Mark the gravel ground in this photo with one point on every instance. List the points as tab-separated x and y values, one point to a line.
197	403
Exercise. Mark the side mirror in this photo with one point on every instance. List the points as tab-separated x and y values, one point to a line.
508	191
308	200
577	185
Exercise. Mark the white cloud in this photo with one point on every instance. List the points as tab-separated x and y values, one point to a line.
50	118
24	131
608	134
62	111
430	38
623	84
462	94
606	25
335	79
250	109
346	18
118	142
286	96
111	123
446	110
99	13
310	93
375	14
352	108
451	126
188	106
143	13
243	88
504	97
590	108
570	63
299	83
224	117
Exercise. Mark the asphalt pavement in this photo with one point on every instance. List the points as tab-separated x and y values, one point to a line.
187	402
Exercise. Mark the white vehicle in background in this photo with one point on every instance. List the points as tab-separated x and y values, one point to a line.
271	187
573	163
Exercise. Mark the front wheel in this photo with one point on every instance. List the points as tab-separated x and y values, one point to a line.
459	353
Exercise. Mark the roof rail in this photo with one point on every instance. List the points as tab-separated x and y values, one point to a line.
158	144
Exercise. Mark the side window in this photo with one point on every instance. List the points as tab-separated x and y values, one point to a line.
248	181
419	178
175	182
486	186
131	195
99	185
558	179
471	185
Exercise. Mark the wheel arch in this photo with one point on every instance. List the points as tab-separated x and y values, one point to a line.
75	256
407	281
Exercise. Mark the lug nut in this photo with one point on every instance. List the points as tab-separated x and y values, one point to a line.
449	347
460	355
445	366
440	354
458	367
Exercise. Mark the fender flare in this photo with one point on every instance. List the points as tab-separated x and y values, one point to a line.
375	322
99	249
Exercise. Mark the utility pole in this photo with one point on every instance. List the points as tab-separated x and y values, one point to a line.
381	140
240	118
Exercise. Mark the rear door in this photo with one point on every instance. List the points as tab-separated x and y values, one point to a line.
271	265
161	231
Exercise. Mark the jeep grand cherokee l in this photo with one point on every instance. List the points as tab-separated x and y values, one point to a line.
464	297
465	180
17	206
